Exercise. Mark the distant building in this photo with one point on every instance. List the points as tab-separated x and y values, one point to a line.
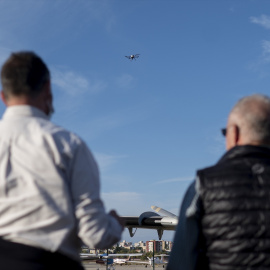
140	245
125	244
153	245
170	245
158	246
85	249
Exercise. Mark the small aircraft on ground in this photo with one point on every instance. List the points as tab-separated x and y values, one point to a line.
108	259
125	261
133	56
88	256
157	260
164	220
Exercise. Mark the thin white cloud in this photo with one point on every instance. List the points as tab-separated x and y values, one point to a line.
263	20
73	83
266	46
266	50
105	161
263	60
173	180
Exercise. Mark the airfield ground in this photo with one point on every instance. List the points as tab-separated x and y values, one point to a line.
93	265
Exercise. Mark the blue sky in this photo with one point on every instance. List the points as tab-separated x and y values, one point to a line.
153	122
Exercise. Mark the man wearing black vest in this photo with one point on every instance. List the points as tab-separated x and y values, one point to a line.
224	221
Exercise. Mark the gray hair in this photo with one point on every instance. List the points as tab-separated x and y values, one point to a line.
252	115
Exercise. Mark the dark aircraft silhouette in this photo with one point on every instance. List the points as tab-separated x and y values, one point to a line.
164	220
133	56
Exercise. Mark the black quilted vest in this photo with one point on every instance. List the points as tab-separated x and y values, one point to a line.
236	202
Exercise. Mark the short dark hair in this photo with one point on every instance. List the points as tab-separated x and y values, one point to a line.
24	74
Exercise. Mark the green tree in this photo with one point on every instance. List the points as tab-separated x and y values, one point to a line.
147	254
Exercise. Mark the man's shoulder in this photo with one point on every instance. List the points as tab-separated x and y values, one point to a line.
208	169
59	133
216	171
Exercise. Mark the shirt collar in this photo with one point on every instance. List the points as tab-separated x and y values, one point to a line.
23	111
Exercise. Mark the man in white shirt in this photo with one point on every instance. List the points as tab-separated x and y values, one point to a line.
49	181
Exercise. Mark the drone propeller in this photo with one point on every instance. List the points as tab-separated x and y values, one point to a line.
133	56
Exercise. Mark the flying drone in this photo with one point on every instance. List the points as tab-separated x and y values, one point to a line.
133	56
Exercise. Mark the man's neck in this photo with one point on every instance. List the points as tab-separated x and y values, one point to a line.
34	102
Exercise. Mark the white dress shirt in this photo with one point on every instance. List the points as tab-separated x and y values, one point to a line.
49	186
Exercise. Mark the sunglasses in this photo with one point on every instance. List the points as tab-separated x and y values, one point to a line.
224	131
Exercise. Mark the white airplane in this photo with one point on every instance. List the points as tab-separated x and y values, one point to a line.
125	261
120	261
164	220
157	260
88	256
108	259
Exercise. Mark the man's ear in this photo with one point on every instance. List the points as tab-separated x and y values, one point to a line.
237	134
48	92
47	98
3	97
232	136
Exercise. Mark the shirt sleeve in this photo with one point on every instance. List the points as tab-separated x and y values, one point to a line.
96	228
184	255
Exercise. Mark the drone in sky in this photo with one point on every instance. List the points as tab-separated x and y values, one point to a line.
133	56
